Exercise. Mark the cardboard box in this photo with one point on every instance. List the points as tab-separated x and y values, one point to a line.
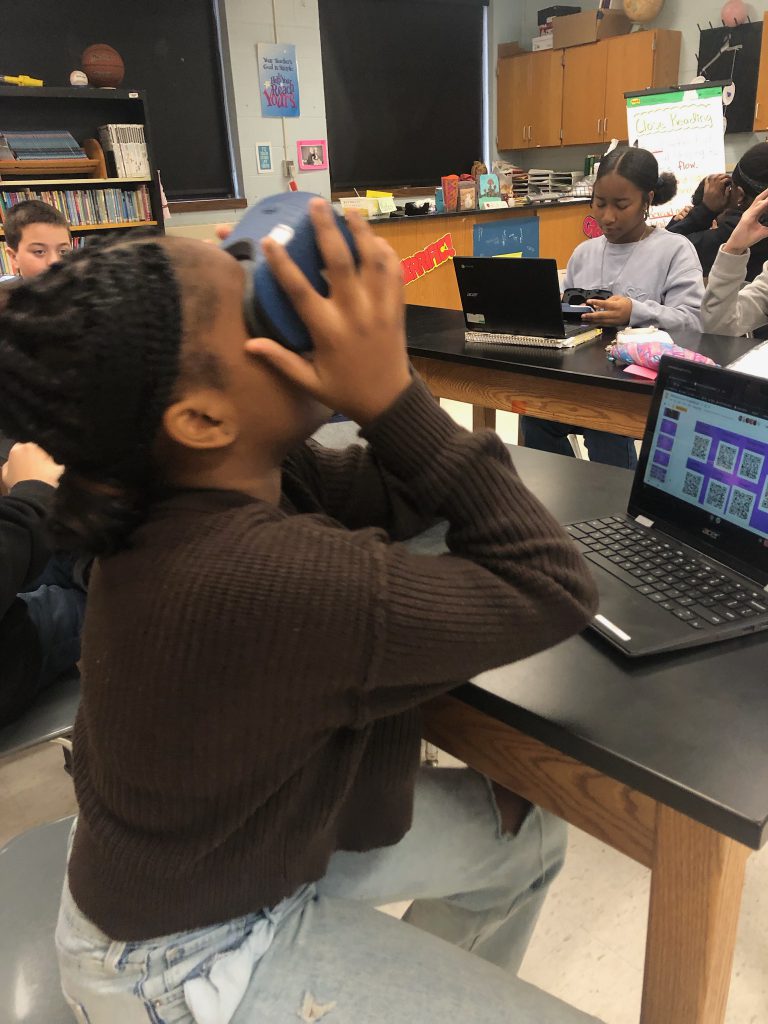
509	50
547	13
545	42
588	27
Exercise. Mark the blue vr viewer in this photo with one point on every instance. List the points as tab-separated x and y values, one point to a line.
267	308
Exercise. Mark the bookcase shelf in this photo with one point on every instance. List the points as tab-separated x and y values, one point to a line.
77	228
81	112
22	167
13	184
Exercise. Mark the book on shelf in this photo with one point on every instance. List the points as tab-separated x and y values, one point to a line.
84	207
41	145
125	150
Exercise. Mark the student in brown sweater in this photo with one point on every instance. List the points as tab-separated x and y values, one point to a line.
257	645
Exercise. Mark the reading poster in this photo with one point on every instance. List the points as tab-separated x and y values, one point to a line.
278	80
684	131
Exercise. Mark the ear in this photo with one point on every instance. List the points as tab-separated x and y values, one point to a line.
12	259
649	200
204	419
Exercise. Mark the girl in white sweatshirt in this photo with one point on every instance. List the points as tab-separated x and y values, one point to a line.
727	309
654	277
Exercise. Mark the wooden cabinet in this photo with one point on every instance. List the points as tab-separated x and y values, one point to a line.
530	96
584	69
580	90
761	104
596	77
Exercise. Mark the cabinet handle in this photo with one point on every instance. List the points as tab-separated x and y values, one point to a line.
525	127
605	126
530	132
599	122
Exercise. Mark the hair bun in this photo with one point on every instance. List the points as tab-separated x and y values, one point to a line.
666	189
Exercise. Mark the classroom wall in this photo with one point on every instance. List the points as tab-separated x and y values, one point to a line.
250	22
683	15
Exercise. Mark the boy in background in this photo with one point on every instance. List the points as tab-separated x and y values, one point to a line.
36	237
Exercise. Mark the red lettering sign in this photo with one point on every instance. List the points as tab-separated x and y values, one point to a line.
428	259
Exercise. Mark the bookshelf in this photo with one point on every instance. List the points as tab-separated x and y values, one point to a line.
91	200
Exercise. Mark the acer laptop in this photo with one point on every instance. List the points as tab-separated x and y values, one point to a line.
515	302
688	563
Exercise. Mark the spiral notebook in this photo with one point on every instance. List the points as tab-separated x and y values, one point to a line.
515	302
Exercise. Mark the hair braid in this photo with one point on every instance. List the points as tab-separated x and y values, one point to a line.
89	356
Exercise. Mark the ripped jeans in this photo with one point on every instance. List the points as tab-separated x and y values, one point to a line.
326	953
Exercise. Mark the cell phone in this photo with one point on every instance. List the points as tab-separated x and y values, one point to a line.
574	312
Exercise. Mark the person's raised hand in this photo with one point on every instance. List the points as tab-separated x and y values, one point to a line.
613	312
717	192
749	229
29	462
359	364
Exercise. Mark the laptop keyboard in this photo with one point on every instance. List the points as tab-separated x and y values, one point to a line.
681	584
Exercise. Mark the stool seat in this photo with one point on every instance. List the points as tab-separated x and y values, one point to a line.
52	715
32	868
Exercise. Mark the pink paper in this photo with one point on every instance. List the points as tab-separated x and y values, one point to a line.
641	371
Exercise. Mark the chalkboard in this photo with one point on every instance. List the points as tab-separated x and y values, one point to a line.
170	49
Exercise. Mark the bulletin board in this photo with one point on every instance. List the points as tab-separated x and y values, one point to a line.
684	131
519	237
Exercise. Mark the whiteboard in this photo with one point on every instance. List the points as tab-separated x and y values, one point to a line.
684	131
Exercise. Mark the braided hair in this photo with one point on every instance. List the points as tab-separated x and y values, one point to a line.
641	168
90	355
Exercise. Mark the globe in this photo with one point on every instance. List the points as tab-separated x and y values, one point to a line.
642	10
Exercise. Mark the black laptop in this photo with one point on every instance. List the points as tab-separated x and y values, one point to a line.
515	302
688	563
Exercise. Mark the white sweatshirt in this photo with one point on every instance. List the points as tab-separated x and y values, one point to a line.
725	309
661	275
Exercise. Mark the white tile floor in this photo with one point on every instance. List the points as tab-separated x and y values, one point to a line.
588	945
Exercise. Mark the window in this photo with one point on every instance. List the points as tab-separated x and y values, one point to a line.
404	89
170	50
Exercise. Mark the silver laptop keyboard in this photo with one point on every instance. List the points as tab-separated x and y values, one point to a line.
683	585
486	338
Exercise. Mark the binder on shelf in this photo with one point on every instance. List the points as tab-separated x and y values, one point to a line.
125	149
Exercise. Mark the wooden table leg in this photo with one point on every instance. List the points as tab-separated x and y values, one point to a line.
483	418
696	887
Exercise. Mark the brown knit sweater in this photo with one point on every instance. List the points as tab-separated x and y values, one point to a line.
251	674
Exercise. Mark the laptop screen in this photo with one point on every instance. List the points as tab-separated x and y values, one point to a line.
704	463
510	296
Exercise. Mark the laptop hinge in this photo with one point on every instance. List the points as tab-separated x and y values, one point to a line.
644	521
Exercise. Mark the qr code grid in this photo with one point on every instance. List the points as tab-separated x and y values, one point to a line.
692	485
764	499
659	473
750	467
726	457
741	504
700	449
716	495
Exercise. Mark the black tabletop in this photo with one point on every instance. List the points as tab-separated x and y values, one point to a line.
439	334
688	729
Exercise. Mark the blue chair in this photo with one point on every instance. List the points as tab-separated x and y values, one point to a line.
32	870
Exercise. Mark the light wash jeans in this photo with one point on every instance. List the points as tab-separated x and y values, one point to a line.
326	953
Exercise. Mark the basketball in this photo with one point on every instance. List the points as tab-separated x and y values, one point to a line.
103	65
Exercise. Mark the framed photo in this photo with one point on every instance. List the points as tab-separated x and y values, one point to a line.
313	154
264	157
